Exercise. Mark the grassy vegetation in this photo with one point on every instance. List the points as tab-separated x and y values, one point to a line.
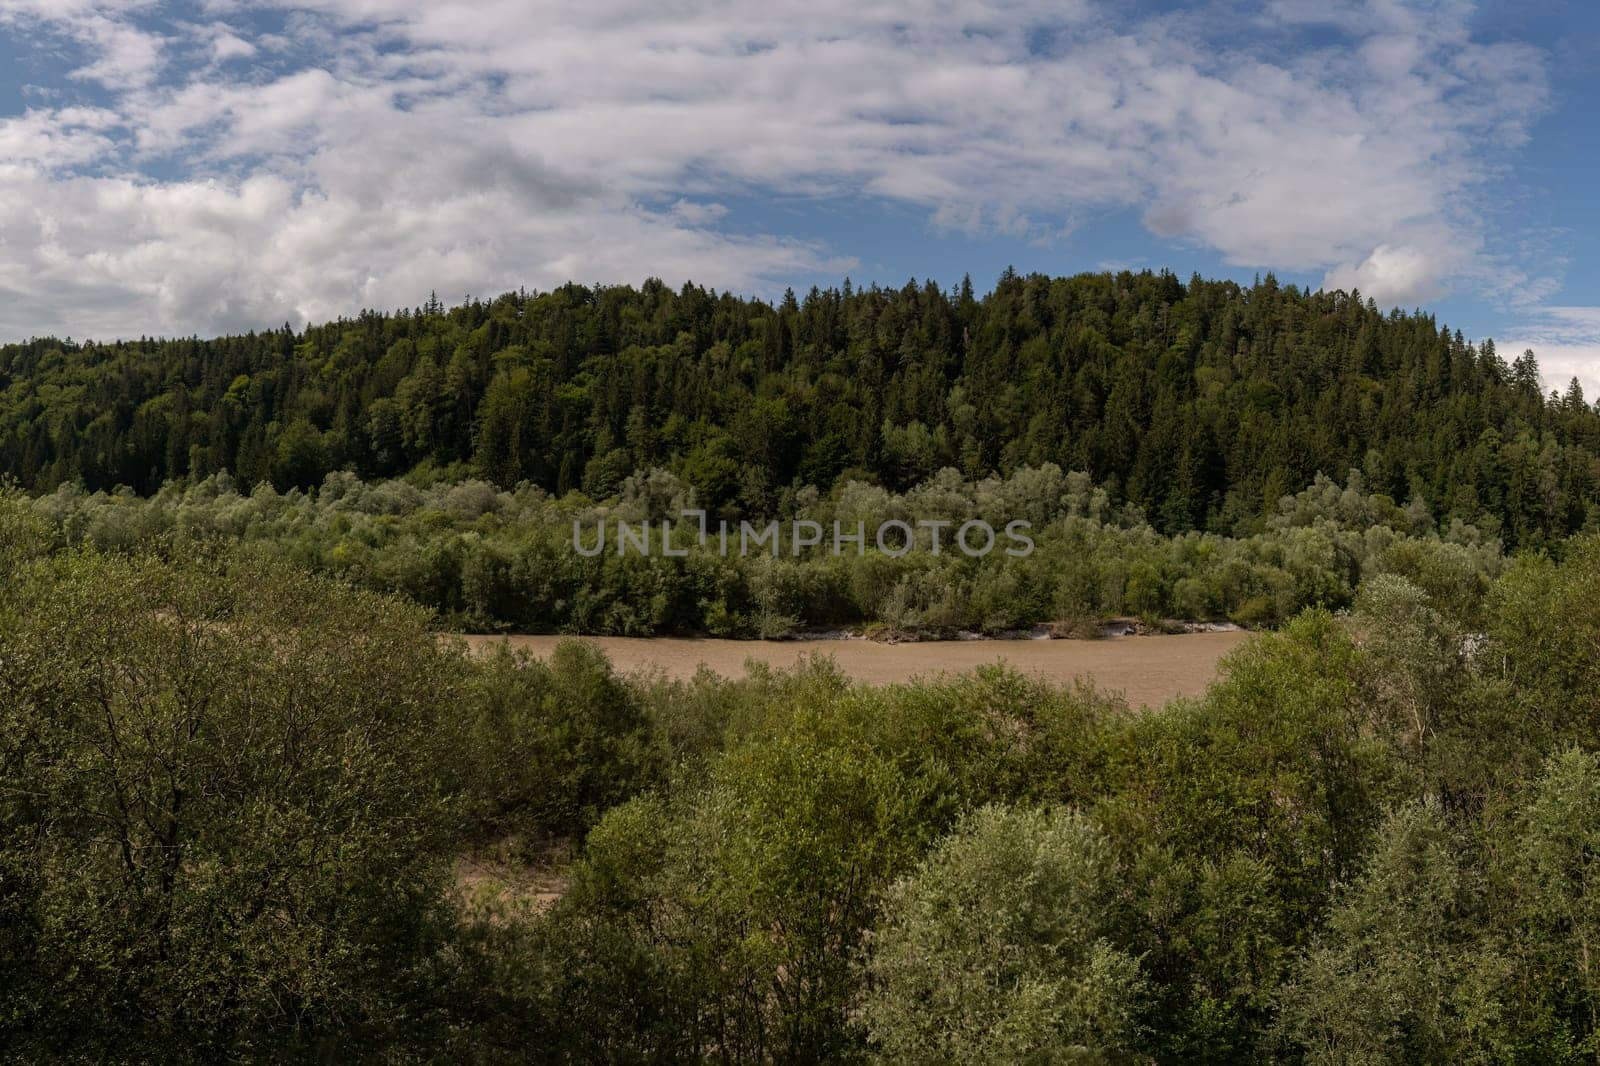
233	797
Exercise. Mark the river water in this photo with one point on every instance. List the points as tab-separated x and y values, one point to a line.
1147	670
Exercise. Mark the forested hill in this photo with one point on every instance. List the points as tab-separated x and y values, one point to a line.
1201	402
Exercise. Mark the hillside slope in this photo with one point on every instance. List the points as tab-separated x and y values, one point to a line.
1202	403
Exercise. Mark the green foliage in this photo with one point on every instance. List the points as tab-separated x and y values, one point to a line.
1542	621
486	559
557	741
731	918
221	810
24	534
1403	973
236	804
1239	812
1556	876
995	948
1202	403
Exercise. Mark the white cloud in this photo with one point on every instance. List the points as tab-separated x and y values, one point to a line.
62	137
226	46
697	214
1405	275
115	255
123	55
126	57
481	145
1566	341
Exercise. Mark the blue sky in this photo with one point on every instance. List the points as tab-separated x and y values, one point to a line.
215	165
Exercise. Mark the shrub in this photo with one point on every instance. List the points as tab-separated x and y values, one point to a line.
995	948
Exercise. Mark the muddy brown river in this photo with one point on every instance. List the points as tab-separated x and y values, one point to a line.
1147	670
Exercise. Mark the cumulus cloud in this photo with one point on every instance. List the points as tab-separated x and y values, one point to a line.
59	137
1403	274
122	55
1567	343
377	149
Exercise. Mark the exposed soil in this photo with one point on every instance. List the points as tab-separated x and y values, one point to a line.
1148	670
501	880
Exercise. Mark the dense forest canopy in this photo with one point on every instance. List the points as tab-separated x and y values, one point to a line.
1200	403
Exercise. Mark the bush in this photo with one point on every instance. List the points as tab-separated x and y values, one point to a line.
995	948
553	743
223	812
